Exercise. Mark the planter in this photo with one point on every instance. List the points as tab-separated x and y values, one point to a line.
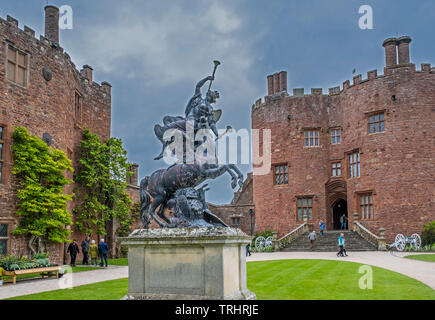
42	271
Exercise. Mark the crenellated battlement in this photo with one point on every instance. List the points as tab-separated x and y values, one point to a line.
277	84
44	43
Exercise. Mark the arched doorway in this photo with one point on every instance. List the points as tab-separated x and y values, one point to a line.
338	209
336	196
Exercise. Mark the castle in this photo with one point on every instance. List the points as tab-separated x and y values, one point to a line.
365	150
41	90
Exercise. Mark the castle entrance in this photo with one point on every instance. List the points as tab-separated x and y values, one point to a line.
336	203
338	209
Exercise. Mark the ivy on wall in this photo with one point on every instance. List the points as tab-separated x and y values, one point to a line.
101	175
41	201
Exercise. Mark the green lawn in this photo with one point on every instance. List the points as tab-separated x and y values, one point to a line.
284	280
107	290
118	262
326	279
422	257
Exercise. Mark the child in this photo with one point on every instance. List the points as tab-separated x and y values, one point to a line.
322	227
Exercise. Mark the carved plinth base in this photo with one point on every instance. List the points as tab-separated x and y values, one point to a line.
187	263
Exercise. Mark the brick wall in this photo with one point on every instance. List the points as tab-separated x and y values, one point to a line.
397	165
45	106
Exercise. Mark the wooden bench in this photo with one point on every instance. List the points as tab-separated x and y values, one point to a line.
42	271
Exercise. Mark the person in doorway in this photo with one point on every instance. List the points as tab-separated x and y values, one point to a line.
343	221
73	250
340	245
102	250
93	252
312	237
85	250
322	227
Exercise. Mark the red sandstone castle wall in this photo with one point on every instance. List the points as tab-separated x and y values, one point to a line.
45	106
397	165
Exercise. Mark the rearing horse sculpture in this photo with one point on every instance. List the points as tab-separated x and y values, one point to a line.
162	184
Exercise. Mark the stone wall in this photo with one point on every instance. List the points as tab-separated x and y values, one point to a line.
237	213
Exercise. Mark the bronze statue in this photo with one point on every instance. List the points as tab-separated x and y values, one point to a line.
174	187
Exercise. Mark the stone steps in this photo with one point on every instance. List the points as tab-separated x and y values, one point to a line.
328	242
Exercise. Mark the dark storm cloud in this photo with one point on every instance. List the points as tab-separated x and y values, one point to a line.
153	53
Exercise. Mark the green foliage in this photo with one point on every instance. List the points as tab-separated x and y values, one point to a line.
270	249
125	224
41	201
11	263
428	234
102	173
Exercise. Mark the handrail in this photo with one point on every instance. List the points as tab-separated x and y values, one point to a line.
366	234
293	231
289	237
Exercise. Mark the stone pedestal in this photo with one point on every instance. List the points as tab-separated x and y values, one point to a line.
187	263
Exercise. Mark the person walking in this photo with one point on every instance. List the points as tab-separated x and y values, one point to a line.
85	250
312	237
93	252
341	245
73	250
248	252
344	246
102	250
322	227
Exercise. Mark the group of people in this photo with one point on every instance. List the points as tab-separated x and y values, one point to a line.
89	249
312	237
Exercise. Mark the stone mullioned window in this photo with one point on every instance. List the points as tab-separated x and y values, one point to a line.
376	123
17	66
336	169
354	164
1	152
366	206
336	136
280	174
305	208
4	239
311	138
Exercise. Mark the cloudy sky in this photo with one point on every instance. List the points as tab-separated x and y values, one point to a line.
154	51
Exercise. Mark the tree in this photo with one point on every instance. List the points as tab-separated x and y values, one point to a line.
102	172
41	202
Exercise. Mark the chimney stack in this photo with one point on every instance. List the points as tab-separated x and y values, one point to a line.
269	85
277	83
403	49
52	23
133	180
87	72
390	52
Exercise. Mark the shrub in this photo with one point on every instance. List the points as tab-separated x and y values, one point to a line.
270	249
428	234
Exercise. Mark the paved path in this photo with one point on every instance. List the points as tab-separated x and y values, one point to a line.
421	270
25	287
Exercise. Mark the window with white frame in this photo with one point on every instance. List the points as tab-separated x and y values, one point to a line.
354	165
311	138
336	136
